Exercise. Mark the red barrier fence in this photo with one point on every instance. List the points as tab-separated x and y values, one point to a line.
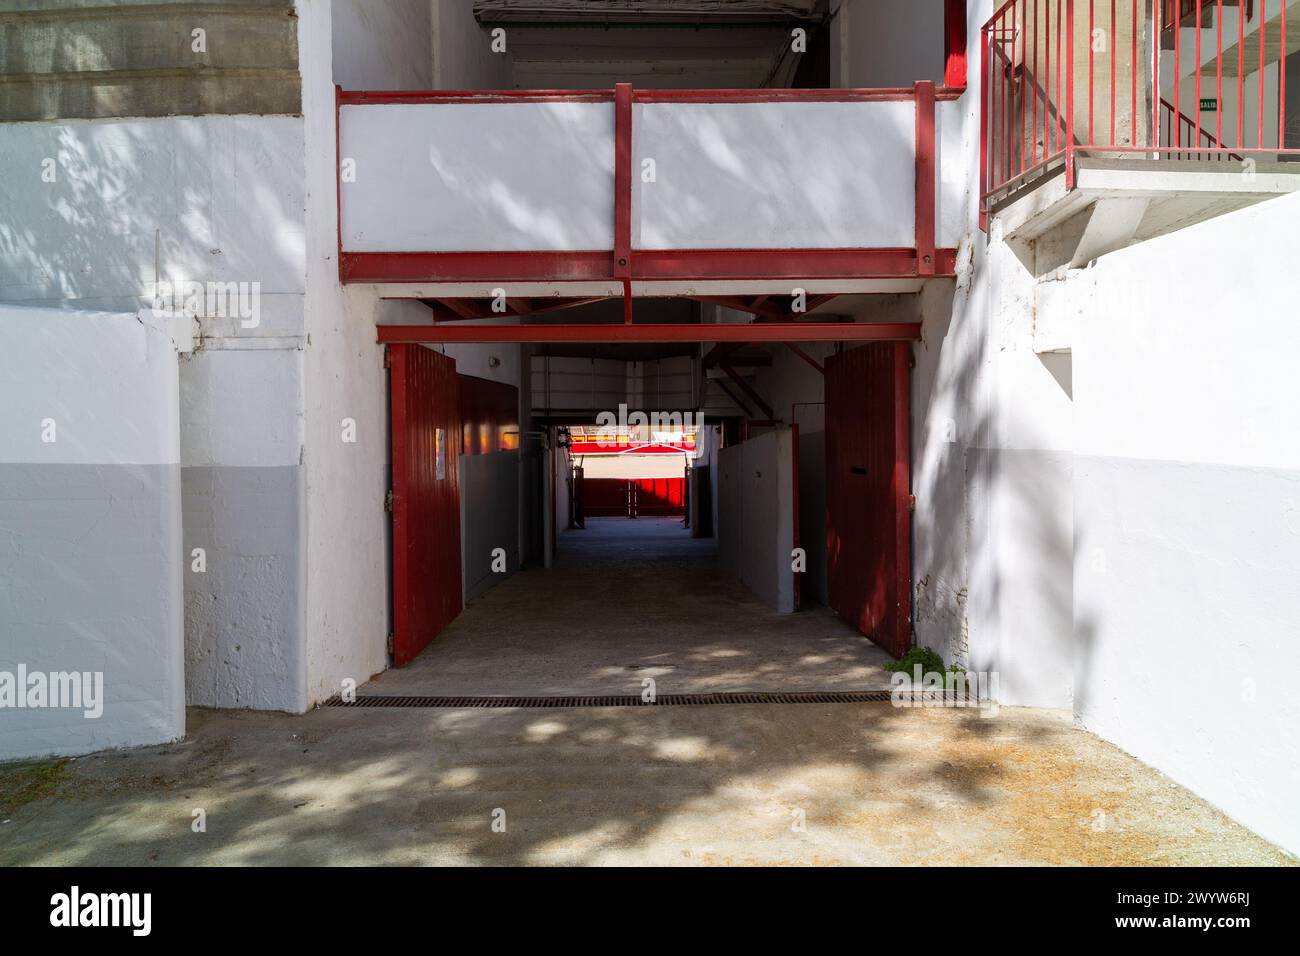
1122	78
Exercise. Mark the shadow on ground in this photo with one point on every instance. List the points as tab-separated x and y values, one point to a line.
629	600
752	784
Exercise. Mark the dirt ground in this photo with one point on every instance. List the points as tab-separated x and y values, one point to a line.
699	785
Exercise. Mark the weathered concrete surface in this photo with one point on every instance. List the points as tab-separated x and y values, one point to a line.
629	600
666	785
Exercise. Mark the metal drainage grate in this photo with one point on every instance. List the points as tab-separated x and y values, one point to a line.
628	700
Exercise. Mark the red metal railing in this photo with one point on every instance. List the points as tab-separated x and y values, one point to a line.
625	264
1104	77
1189	133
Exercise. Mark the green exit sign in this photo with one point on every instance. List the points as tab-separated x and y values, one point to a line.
1209	104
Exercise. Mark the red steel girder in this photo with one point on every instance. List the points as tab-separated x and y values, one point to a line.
648	332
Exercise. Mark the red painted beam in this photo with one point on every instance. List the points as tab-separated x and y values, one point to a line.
925	179
502	267
792	265
954	44
606	332
804	95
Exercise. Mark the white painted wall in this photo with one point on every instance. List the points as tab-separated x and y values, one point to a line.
382	46
346	529
90	528
634	466
1187	510
756	516
1108	526
884	43
463	58
210	199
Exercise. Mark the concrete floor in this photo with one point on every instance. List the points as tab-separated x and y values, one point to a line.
655	785
870	783
628	600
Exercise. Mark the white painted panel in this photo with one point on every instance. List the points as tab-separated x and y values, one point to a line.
90	532
75	393
774	175
756	516
951	174
478	177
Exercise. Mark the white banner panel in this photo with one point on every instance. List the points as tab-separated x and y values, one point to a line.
476	177
776	175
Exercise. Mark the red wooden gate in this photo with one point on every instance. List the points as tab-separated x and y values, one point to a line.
868	492
427	594
632	497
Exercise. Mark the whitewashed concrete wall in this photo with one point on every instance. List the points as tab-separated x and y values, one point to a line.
489	509
797	391
347	535
884	43
991	431
756	516
1187	510
573	384
1109	526
463	58
133	205
90	528
344	384
382	45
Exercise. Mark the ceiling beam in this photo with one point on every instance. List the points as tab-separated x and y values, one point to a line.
767	308
654	332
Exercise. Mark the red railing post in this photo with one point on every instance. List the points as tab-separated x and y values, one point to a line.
1069	93
1218	72
1263	29
1281	86
986	104
623	193
1196	138
1092	65
923	92
1114	57
1157	15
